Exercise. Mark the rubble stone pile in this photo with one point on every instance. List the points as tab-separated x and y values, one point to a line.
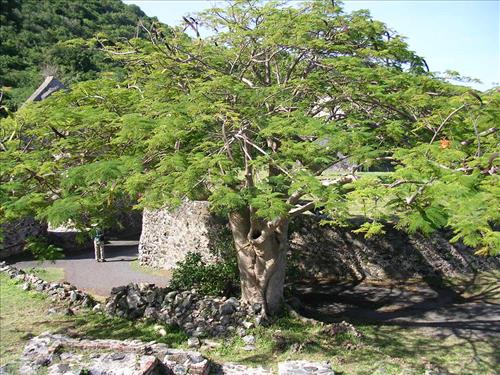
197	315
54	354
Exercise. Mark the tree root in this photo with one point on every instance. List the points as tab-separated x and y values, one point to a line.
297	315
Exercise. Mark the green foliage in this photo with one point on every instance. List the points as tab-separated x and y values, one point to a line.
370	229
252	115
215	279
43	251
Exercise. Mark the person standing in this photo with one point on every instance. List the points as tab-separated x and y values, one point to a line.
99	245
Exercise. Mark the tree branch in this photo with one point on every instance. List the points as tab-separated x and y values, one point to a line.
409	200
57	132
484	133
292	67
340	181
443	124
294	198
248	169
321	170
245	138
298	210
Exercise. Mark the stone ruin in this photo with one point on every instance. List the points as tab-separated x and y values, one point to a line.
316	251
15	234
167	236
195	314
62	355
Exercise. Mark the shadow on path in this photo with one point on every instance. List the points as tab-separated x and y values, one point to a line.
440	310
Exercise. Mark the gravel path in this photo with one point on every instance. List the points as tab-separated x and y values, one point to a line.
84	272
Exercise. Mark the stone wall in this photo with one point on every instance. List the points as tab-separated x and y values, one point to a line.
197	315
167	236
325	252
316	251
15	234
56	354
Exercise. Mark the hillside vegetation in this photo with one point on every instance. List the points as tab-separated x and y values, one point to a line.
40	38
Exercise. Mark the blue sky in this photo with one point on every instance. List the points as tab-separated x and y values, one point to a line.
451	35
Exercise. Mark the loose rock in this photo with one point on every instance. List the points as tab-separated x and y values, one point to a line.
193	342
249	340
304	368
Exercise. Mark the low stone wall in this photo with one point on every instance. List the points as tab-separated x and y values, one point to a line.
322	252
197	315
62	355
316	251
15	234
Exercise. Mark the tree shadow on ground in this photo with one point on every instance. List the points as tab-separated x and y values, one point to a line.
465	311
476	353
398	284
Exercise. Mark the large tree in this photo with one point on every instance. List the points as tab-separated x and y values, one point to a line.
250	117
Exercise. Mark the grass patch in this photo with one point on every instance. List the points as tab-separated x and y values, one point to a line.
48	273
381	350
100	326
478	286
22	314
136	266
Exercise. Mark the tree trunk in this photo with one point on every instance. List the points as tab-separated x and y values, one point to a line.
261	252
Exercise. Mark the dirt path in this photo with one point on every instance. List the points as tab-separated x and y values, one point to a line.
85	273
438	310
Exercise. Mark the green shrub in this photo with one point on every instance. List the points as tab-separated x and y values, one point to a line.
42	250
217	279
